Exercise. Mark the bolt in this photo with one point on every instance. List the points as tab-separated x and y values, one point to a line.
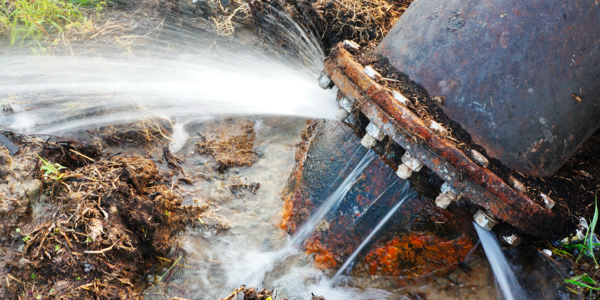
404	171
401	98
438	128
448	195
411	162
480	159
519	186
372	73
350	45
368	141
342	114
547	200
486	222
325	82
346	104
375	132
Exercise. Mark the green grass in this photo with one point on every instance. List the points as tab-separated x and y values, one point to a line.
41	20
586	248
51	171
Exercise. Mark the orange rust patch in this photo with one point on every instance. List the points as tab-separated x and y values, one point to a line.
416	255
323	258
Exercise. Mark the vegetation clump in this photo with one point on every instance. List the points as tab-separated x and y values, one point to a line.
39	20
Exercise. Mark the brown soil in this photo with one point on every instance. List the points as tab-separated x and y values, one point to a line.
573	187
365	22
230	144
92	234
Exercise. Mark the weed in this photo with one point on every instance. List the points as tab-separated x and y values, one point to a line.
586	246
52	171
37	20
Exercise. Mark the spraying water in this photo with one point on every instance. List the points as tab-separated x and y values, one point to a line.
511	289
408	193
331	202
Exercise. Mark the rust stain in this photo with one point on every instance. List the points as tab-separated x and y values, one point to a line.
508	205
416	255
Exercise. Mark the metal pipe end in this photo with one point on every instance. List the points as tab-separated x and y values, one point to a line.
482	219
325	82
400	97
368	141
374	131
404	171
480	159
519	186
547	200
413	163
372	73
351	45
438	128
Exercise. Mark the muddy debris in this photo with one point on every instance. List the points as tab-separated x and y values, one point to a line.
90	232
230	145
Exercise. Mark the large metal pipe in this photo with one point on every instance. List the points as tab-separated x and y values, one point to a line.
522	77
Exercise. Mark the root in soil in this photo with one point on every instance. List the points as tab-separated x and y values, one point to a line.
95	233
230	145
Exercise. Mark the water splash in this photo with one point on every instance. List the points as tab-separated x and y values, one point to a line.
511	289
331	202
58	94
408	193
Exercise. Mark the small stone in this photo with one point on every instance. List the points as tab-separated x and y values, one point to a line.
411	162
368	141
404	171
439	100
547	252
512	239
372	73
374	131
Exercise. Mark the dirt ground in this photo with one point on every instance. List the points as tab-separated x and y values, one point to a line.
94	229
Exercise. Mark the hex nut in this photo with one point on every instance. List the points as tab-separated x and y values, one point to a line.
404	171
411	162
368	141
375	132
325	82
346	104
342	114
486	222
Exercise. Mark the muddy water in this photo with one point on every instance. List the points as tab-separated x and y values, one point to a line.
256	252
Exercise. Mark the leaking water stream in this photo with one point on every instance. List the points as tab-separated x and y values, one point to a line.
64	95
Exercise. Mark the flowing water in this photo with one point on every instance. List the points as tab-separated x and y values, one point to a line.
409	193
187	79
510	287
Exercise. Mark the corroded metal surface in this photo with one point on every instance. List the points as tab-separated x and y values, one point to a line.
522	77
438	154
439	238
